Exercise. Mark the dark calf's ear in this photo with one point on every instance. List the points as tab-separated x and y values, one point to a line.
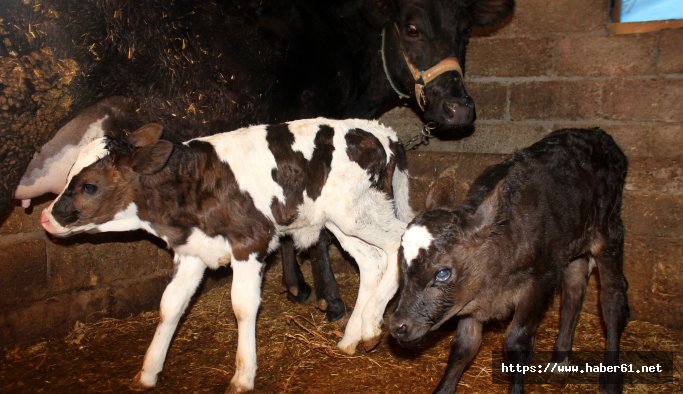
487	12
151	159
486	215
146	135
441	194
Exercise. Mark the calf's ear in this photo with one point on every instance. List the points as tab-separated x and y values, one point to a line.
442	194
151	159
146	135
481	222
487	12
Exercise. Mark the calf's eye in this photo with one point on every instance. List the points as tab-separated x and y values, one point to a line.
89	188
443	275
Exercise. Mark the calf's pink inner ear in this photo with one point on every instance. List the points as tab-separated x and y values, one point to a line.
146	135
151	159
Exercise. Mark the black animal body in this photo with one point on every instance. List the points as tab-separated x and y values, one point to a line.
528	226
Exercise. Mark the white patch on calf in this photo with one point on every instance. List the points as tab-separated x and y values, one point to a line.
304	135
90	154
251	161
126	220
415	238
213	251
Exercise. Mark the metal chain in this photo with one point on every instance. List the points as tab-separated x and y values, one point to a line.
422	138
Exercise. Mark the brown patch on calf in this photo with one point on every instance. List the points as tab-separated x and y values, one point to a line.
365	149
197	190
294	173
321	160
289	174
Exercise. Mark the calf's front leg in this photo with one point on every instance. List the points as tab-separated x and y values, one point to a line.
246	298
176	297
521	333
463	349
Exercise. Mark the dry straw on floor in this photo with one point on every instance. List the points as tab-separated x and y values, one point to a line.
296	351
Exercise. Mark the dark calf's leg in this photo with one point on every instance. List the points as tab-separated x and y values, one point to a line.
574	282
292	278
463	349
614	303
326	288
521	334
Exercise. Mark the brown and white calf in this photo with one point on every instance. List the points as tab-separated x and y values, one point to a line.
227	199
531	224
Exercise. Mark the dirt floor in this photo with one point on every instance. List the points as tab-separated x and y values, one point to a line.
296	353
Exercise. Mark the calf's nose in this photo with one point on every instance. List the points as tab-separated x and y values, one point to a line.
45	221
399	329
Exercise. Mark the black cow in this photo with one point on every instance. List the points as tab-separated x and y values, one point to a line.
535	222
198	67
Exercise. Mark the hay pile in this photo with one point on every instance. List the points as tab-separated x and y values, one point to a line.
34	94
296	351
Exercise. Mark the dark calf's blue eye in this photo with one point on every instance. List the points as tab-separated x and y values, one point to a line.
89	188
443	275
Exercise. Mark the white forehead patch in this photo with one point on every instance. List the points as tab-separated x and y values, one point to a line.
415	238
87	156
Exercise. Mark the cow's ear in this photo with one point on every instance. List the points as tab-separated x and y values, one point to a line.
146	135
151	159
482	221
487	12
377	12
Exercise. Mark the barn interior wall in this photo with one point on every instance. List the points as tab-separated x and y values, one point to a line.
554	65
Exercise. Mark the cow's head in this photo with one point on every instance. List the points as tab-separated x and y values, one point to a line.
424	47
100	190
444	258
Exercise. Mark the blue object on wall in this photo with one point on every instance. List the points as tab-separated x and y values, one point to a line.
650	10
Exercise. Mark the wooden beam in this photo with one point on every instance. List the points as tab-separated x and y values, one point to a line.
643	27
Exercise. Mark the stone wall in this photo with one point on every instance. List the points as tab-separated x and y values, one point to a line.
554	65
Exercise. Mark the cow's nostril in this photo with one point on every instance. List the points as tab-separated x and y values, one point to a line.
458	110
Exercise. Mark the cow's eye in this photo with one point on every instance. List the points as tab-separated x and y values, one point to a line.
89	188
411	30
443	275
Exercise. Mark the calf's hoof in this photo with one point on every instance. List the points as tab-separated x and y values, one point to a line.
299	294
334	309
232	389
237	386
139	385
347	347
371	343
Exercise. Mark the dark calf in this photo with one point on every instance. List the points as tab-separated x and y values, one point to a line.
529	225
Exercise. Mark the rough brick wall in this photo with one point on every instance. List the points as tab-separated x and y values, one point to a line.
553	66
